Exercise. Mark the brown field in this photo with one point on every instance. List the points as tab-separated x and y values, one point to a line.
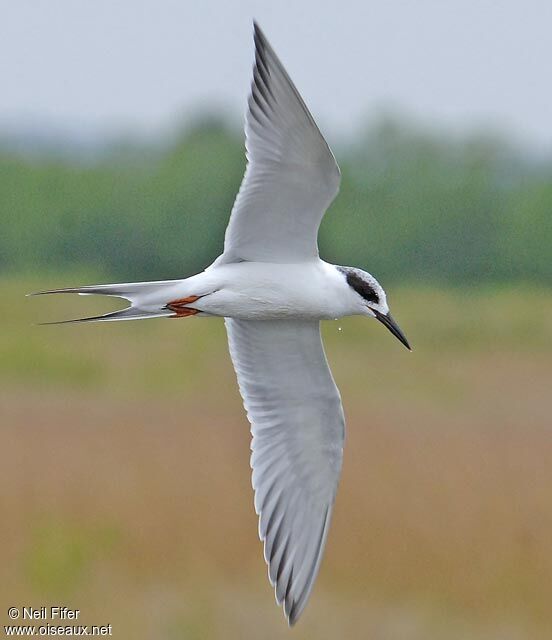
126	493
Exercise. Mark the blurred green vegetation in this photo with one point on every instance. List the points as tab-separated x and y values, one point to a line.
413	205
60	554
147	356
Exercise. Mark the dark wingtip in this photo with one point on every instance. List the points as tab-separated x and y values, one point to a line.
259	36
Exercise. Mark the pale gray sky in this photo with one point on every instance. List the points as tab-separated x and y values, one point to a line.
97	66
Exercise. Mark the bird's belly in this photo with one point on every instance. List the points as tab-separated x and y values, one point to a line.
272	305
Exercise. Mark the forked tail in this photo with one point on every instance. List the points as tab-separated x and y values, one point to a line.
147	300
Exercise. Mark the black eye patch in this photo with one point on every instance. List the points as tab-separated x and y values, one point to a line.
362	287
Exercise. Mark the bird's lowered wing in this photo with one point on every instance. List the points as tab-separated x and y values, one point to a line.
291	175
297	425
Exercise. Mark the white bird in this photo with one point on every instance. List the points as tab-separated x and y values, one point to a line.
272	289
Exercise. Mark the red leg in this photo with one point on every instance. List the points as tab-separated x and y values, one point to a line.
180	309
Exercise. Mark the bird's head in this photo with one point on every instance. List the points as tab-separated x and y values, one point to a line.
370	299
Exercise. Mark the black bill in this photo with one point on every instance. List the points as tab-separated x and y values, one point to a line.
390	323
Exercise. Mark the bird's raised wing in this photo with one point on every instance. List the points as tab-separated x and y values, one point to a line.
297	425
291	175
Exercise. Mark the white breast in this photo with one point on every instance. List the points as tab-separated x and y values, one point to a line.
253	291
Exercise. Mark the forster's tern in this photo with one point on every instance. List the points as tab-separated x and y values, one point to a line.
272	289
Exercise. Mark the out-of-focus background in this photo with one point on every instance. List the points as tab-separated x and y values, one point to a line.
125	484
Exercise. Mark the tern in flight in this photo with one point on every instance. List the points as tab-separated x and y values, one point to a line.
272	289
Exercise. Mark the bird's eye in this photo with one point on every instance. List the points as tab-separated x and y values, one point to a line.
362	287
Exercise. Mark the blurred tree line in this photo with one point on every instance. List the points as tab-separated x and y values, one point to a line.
413	205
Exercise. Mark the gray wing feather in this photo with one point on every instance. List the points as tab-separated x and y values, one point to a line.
297	426
291	176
